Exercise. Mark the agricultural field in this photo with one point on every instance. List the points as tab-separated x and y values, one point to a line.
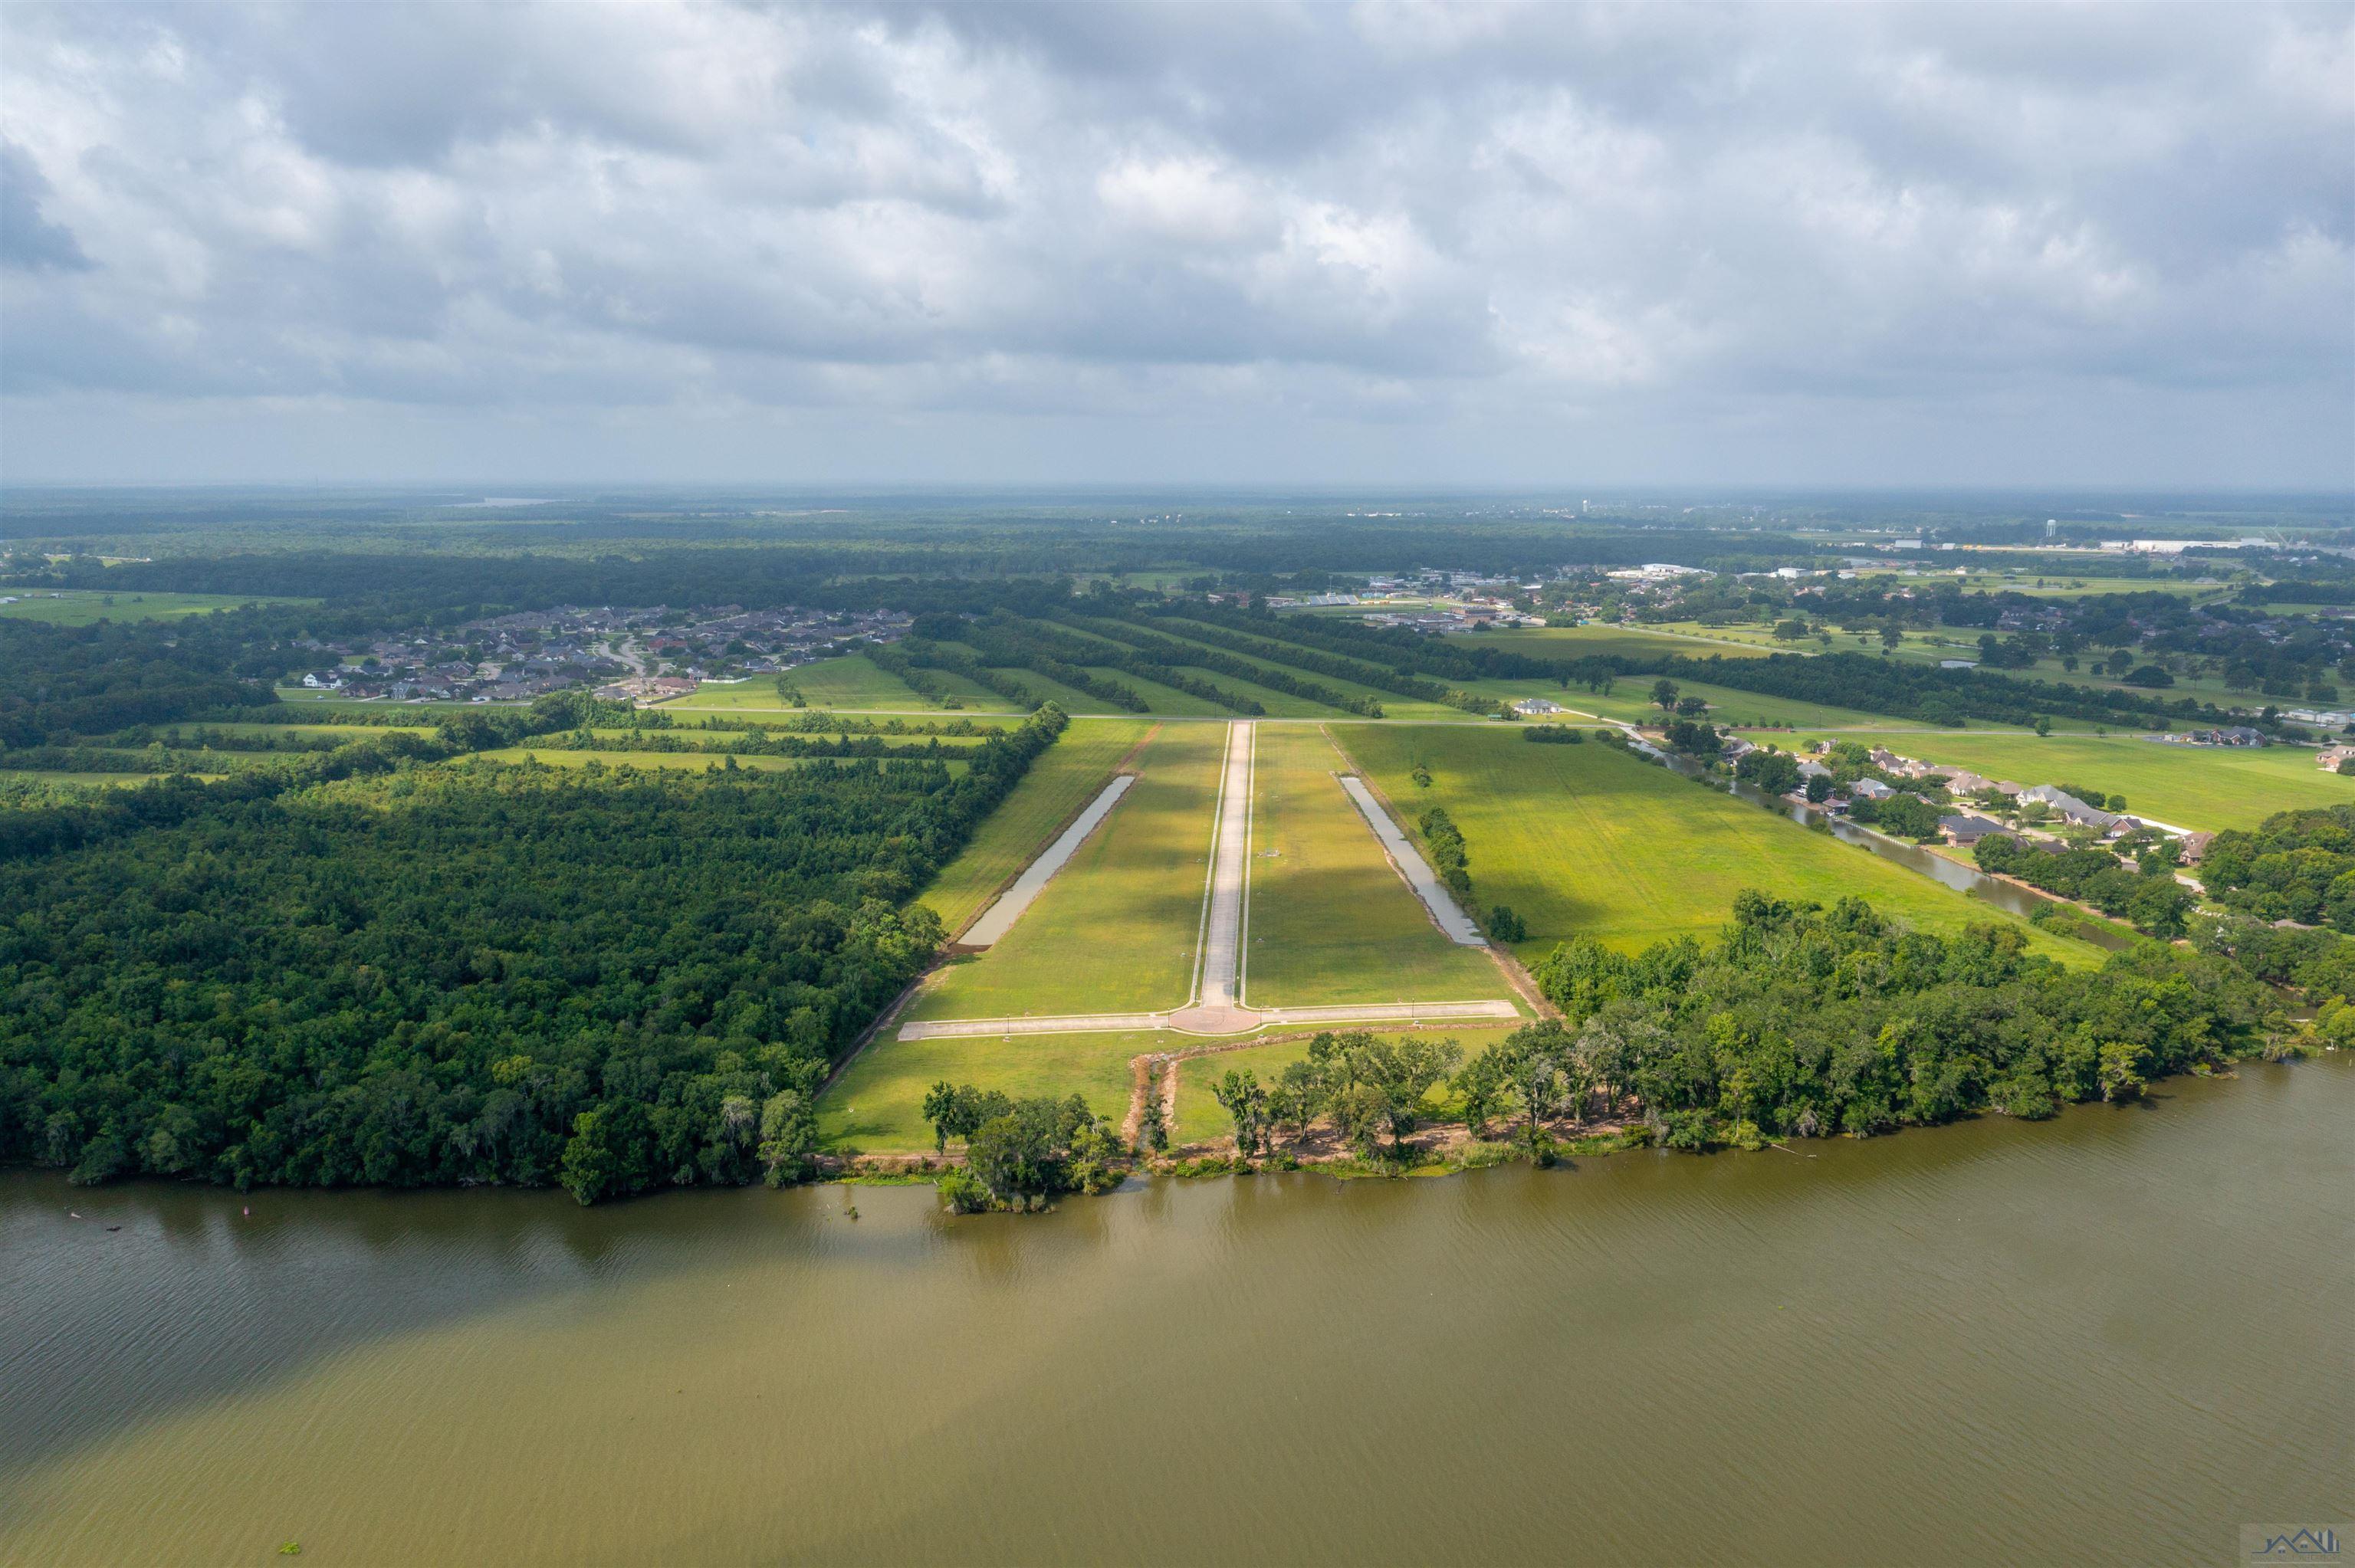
2201	788
1587	841
86	606
1116	928
1393	706
1062	780
1331	920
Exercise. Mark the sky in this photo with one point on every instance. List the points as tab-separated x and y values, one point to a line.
1181	243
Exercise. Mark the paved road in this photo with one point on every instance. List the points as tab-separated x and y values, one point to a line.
1000	916
1207	1021
1219	982
1412	866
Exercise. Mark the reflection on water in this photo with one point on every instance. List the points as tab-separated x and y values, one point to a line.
2109	1339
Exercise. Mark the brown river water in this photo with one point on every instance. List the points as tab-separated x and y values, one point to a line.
2115	1338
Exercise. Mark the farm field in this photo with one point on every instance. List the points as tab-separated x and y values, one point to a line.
86	607
1116	930
878	1104
1586	840
1393	706
2209	787
1064	779
1330	920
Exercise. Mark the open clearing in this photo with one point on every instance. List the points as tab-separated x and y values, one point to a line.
1586	840
878	1101
1063	779
2196	787
86	606
1115	932
851	682
1331	921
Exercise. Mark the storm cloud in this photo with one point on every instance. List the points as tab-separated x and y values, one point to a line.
1514	245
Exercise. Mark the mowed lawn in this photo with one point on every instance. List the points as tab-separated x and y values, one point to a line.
1586	840
1059	783
1331	920
1114	931
1613	641
2195	787
878	1104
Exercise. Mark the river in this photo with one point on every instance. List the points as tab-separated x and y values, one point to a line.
2114	1338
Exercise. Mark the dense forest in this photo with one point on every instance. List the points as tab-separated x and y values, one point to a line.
431	973
2297	865
1803	1021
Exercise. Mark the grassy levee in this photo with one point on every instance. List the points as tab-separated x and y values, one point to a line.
2210	788
1587	841
1063	779
878	1104
1114	931
1330	920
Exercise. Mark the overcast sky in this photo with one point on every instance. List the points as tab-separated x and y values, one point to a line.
1991	244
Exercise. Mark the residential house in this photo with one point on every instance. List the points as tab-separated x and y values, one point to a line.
2330	756
1532	707
2071	809
1968	828
1870	790
2195	846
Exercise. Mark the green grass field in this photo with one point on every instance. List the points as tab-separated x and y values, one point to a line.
878	1104
85	607
852	682
2209	787
1116	930
1330	920
1065	778
1583	839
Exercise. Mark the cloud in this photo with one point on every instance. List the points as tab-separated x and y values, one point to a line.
1545	240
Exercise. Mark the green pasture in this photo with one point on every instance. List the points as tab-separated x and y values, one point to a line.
2196	787
1588	840
1062	780
1331	919
86	606
1114	931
